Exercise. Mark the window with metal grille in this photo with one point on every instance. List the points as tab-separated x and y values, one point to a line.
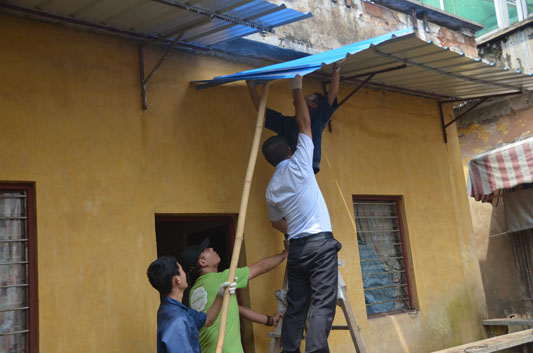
382	254
17	270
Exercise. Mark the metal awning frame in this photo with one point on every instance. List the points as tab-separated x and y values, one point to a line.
477	102
365	79
179	32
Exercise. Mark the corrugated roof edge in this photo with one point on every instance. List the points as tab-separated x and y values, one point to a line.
305	65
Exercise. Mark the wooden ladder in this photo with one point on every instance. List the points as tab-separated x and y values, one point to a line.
342	301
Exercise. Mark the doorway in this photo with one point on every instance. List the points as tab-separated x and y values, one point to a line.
174	233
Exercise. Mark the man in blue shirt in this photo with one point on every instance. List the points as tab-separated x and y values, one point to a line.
320	107
177	325
297	208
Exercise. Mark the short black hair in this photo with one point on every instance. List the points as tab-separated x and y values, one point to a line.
160	273
319	98
275	149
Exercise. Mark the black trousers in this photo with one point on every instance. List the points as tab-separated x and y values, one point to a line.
312	273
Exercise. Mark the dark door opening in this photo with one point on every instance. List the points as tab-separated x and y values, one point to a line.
175	233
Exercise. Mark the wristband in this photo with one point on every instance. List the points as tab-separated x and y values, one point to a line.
268	322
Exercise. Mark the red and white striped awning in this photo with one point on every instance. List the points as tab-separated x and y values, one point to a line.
493	172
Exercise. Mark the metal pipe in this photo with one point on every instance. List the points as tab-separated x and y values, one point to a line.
399	67
382	273
385	287
14	333
382	258
143	83
15	309
389	301
442	123
15	285
215	15
13	263
478	97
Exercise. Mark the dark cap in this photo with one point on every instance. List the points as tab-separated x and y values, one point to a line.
190	255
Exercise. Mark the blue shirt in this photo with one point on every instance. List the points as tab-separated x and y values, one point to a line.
177	327
293	194
285	126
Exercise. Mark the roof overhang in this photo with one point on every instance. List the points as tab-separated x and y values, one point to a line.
399	61
198	23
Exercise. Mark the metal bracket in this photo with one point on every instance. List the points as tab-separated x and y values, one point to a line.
426	22
144	80
369	76
480	100
445	125
415	19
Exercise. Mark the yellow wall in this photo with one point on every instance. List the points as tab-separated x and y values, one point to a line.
71	121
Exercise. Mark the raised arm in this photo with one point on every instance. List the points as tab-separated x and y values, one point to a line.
335	79
302	112
254	316
266	264
253	94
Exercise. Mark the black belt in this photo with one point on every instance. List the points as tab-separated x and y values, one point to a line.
311	237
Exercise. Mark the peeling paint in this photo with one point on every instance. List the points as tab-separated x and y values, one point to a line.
503	127
469	129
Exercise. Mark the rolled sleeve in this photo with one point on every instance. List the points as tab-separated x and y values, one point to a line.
199	318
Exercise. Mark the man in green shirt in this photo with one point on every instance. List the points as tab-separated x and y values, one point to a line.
203	262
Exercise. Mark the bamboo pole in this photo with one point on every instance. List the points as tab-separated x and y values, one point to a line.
242	214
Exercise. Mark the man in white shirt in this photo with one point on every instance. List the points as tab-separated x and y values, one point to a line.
296	207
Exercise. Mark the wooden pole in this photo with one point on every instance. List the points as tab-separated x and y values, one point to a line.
242	214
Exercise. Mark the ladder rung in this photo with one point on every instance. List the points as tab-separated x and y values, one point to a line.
340	327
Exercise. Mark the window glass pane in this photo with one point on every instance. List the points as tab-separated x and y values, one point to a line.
513	13
529	4
14	343
381	255
434	3
481	11
14	314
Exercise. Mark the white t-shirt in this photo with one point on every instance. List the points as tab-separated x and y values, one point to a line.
293	193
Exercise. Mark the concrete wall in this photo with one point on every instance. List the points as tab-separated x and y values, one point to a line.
334	25
494	124
497	122
71	121
511	47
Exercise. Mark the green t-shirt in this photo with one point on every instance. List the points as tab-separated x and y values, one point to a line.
202	296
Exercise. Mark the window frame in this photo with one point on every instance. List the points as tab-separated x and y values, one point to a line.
406	254
29	188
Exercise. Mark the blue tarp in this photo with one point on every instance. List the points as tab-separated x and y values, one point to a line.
305	65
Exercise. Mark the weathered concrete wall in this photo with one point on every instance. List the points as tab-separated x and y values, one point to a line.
501	121
334	25
71	121
512	47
